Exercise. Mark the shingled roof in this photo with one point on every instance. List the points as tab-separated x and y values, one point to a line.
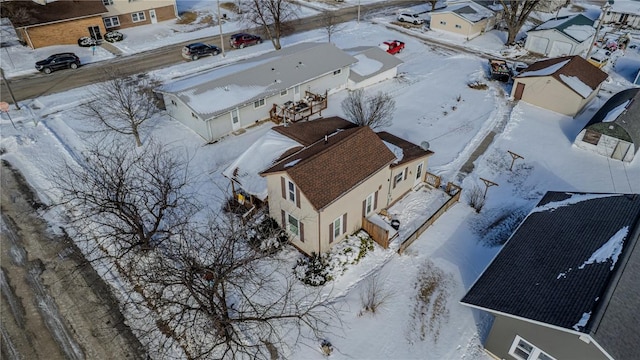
308	132
625	108
326	170
52	12
410	151
573	263
565	69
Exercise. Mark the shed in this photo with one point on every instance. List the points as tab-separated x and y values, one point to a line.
564	84
566	35
614	131
465	18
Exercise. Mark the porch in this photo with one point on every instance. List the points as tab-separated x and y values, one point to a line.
299	110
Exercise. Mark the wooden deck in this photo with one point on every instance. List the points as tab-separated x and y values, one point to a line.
303	109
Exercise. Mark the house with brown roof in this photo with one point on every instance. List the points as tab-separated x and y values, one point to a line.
42	23
127	13
323	177
564	84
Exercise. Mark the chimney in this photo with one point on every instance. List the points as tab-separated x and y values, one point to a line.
326	139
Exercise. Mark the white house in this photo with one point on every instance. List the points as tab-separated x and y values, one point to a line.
625	13
228	98
566	35
374	65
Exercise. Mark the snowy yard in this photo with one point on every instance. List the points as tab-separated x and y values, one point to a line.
435	104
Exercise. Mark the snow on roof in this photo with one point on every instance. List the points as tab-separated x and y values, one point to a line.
577	85
545	71
554	23
580	32
396	150
572	199
230	94
365	65
583	321
610	250
615	112
626	6
470	11
259	156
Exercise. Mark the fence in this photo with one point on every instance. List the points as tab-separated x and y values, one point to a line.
378	234
454	191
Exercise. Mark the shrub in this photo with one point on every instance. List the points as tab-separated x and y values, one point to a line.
313	270
476	198
374	295
269	236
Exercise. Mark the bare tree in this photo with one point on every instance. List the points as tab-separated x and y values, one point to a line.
122	104
224	298
516	14
374	295
125	198
331	24
271	15
433	4
374	111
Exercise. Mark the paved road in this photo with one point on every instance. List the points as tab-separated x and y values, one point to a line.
32	86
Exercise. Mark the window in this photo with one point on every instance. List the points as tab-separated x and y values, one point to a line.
138	16
419	172
337	227
291	191
107	2
174	103
258	103
111	22
337	72
368	204
296	89
293	225
235	116
194	115
458	26
591	137
284	92
443	22
523	350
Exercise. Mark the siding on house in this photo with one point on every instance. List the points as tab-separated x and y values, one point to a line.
60	33
554	342
124	10
456	24
547	92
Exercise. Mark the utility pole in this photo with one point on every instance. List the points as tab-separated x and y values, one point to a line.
220	29
358	11
13	98
605	7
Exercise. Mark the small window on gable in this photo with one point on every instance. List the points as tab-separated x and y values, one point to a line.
337	72
174	103
194	115
458	26
258	103
291	191
523	350
442	22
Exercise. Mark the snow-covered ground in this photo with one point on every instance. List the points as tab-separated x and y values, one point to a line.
434	104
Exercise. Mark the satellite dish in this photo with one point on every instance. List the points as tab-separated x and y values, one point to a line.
424	145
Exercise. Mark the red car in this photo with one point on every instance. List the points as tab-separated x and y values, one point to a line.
238	41
392	46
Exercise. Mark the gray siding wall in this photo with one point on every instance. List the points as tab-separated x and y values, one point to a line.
181	112
556	343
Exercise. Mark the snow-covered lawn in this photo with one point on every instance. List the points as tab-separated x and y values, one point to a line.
434	104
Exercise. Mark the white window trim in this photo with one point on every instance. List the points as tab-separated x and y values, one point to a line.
535	352
337	227
368	204
284	92
140	18
111	19
337	72
291	191
398	178
259	103
107	2
288	224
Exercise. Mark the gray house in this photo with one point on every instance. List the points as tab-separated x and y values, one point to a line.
228	98
566	35
566	284
614	131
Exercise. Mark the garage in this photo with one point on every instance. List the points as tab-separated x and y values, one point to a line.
560	48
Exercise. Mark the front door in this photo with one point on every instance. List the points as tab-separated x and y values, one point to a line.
296	93
152	15
519	91
235	119
94	32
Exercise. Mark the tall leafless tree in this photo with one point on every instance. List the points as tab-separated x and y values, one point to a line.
226	299
271	15
122	104
433	4
375	111
124	198
331	24
516	14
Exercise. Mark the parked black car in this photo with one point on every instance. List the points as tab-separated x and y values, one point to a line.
87	41
197	50
57	62
113	36
240	40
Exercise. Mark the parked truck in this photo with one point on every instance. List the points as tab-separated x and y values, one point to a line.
500	70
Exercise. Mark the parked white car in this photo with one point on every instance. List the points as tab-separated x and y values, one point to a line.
410	18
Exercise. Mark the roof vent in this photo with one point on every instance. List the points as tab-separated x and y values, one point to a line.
424	145
326	139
